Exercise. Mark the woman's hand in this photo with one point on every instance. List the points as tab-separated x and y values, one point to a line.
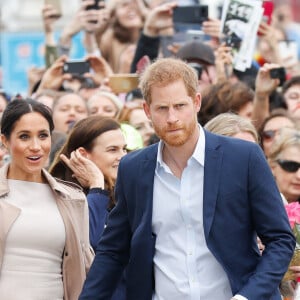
84	170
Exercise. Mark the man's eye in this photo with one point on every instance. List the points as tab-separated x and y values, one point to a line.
179	105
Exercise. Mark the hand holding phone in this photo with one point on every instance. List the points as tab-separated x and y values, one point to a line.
94	6
278	73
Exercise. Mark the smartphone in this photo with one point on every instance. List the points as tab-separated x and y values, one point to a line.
278	73
268	7
123	83
57	6
288	49
94	6
192	14
76	67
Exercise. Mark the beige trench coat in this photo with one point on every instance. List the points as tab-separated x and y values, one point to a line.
72	204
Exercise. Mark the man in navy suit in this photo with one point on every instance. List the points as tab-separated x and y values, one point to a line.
190	208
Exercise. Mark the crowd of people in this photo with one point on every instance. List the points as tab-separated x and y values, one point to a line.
170	184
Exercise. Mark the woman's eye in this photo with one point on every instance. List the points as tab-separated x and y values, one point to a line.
44	135
23	136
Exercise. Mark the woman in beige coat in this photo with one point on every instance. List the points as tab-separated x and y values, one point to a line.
44	240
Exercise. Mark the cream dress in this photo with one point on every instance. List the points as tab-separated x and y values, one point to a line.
32	262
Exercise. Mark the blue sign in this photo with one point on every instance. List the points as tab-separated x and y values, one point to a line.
21	51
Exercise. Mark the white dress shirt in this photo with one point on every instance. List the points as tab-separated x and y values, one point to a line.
184	268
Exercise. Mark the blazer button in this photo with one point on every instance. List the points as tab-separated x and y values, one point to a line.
66	253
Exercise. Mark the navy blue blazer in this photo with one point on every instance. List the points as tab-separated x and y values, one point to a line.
240	199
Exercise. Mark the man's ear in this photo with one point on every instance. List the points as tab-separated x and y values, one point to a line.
198	101
147	110
83	152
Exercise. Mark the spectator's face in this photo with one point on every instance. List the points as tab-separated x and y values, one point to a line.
67	111
292	100
271	130
140	122
288	182
246	110
128	14
100	105
109	148
208	77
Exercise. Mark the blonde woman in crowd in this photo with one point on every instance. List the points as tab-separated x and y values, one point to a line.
284	160
233	125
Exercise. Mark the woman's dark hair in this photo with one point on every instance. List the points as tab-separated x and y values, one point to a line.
19	107
289	83
83	134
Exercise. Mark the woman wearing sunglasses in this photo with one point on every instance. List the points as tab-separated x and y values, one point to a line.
284	159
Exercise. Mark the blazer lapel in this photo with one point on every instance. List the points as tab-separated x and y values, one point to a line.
145	185
212	173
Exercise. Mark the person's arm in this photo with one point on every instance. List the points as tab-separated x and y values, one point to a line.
53	77
98	200
82	20
264	86
51	53
160	18
91	177
271	225
223	63
112	254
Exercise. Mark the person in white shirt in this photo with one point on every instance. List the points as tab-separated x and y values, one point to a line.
189	208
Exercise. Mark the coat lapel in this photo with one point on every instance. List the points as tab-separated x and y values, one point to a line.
145	185
212	173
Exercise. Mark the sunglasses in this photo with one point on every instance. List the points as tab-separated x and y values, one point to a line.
269	134
198	68
289	166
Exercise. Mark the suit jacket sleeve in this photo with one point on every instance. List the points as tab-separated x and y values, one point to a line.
272	226
112	252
